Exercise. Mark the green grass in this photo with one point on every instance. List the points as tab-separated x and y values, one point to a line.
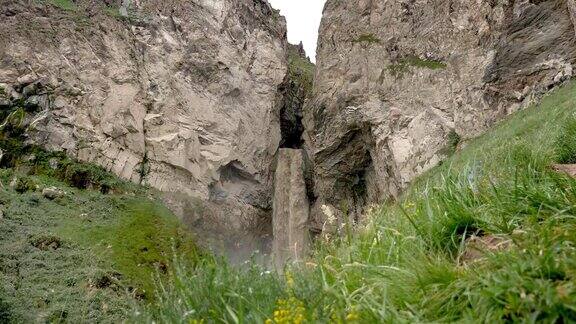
89	256
139	240
403	66
367	38
301	70
405	264
421	63
86	257
64	4
58	165
566	143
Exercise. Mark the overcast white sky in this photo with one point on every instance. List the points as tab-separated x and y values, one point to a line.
303	17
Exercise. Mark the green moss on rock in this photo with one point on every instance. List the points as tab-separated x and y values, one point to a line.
367	38
403	65
63	4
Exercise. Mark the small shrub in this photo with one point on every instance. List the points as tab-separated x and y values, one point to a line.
12	122
87	176
12	150
452	142
453	139
5	314
24	184
565	145
33	200
46	242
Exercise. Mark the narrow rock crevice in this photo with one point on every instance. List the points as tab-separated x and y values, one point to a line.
297	86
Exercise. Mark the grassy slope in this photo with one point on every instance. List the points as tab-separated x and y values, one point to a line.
111	246
406	266
300	69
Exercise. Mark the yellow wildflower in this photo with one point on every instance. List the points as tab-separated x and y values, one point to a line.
352	315
195	321
289	280
288	311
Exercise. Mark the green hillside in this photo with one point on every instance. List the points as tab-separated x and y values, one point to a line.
489	236
89	253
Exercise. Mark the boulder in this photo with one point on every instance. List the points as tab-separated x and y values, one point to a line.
53	193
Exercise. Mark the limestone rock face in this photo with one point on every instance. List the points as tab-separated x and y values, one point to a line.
398	83
291	208
179	95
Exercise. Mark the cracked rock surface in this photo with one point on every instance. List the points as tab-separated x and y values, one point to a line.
399	83
178	95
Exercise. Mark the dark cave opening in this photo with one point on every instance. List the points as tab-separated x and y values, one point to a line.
359	186
291	127
349	164
297	86
360	182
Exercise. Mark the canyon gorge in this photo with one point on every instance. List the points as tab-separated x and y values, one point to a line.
252	146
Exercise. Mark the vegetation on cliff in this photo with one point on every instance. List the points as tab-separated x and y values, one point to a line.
297	87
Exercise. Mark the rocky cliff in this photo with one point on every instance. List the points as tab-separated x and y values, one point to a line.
179	95
399	84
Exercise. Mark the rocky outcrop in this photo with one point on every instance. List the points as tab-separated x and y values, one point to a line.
291	208
399	83
179	95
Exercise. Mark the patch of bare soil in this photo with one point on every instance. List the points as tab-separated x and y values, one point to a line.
569	169
476	247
